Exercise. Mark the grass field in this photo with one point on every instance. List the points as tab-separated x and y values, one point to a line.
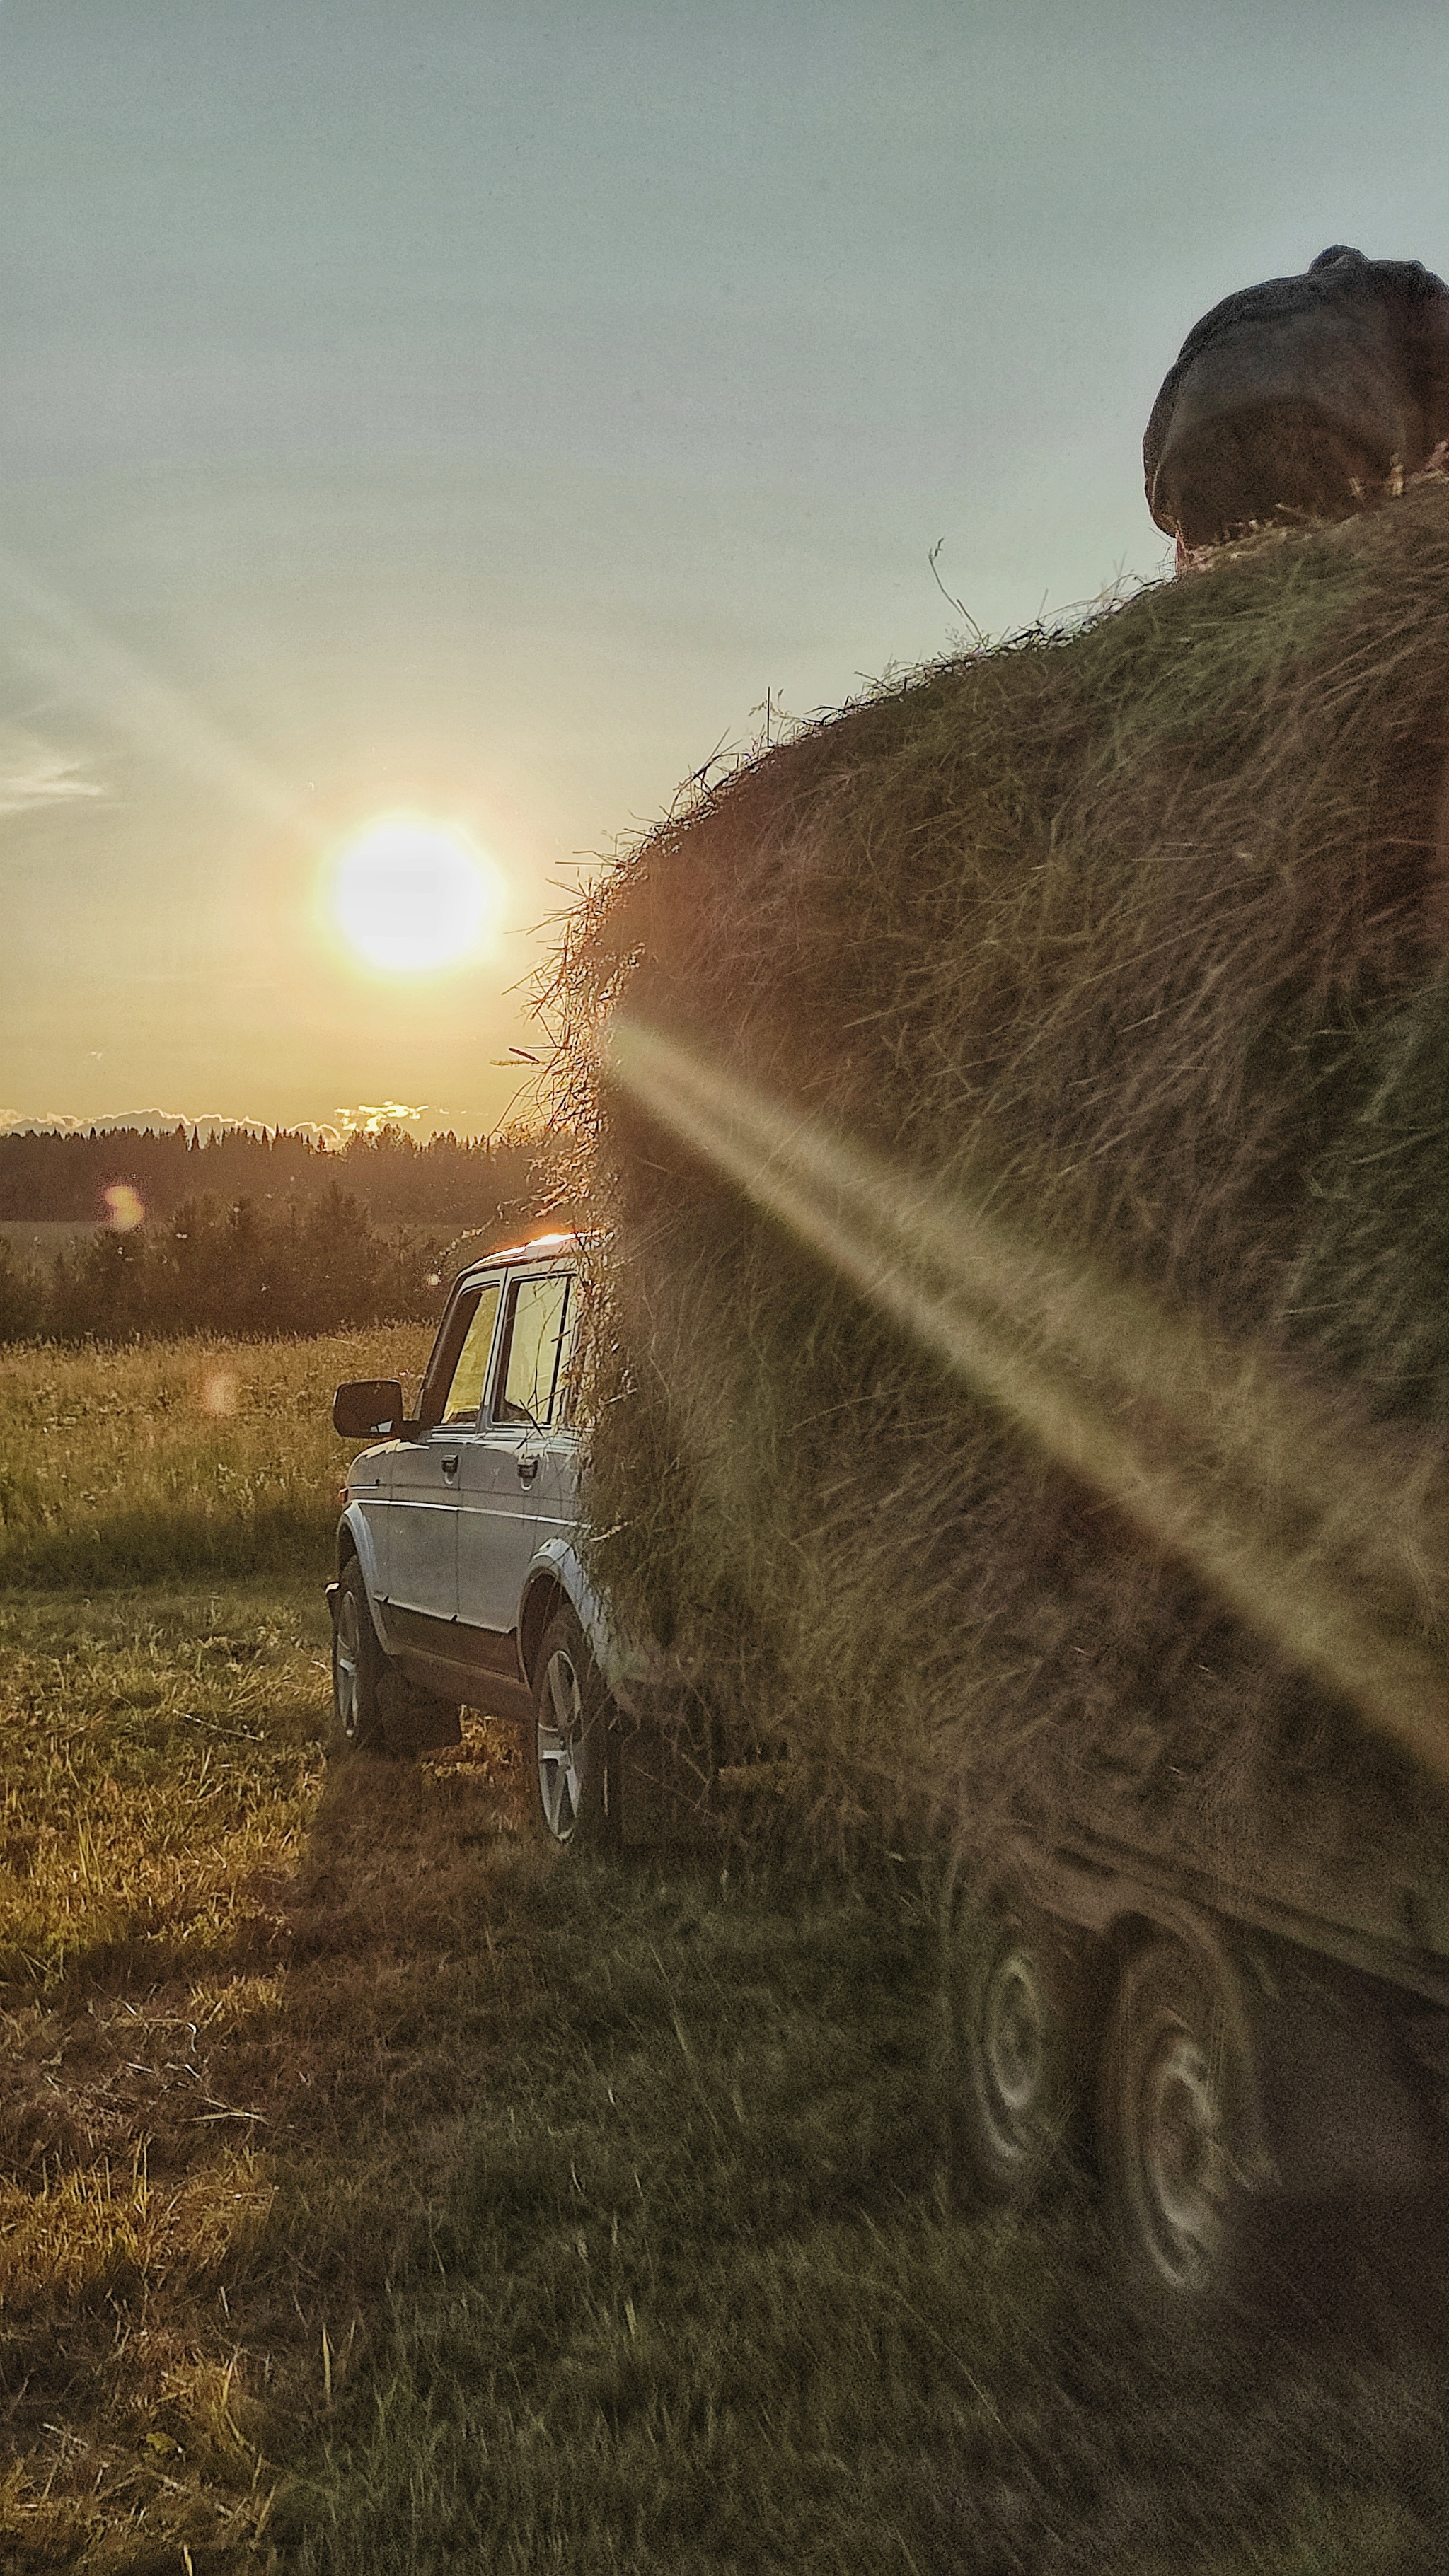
377	2195
167	1459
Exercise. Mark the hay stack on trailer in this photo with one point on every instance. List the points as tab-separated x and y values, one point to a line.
1023	1130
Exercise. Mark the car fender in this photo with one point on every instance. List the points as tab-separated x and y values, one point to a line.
354	1538
560	1567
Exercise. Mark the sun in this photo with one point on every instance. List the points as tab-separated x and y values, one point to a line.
411	896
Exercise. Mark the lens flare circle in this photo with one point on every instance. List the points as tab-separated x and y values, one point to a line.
125	1207
410	896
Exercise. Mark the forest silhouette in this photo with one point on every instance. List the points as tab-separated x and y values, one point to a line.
252	1234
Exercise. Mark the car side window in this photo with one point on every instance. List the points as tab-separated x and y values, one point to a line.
463	1338
465	1388
565	1385
533	1339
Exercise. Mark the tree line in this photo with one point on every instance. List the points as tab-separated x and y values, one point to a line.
449	1182
243	1269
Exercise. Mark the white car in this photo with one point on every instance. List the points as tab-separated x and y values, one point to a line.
459	1576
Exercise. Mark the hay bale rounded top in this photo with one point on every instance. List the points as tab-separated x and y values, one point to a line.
1057	1025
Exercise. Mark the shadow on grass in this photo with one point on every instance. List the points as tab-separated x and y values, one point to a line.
123	1549
467	2210
698	2299
222	2153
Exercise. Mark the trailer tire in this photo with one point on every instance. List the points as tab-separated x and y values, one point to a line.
1177	2127
1007	2088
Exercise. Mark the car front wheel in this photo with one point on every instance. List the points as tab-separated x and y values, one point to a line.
571	1738
358	1666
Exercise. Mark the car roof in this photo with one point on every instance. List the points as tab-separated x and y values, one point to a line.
541	1248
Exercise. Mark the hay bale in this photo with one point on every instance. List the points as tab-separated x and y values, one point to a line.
1016	1384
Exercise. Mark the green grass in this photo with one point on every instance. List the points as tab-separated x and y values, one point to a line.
242	2012
195	1457
377	2195
699	2299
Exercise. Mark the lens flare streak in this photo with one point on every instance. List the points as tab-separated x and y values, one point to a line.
1329	1543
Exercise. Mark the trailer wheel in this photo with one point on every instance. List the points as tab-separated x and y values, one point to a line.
1007	2089
1177	2125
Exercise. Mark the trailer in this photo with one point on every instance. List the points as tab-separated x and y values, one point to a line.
1263	2086
1020	1109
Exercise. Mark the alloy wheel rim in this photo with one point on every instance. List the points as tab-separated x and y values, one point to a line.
560	1738
345	1657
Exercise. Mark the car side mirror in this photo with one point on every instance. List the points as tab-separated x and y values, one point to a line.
368	1408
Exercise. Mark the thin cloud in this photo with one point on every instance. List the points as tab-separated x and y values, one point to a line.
34	775
71	654
368	1118
371	1116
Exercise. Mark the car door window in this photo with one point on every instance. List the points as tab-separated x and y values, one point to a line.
457	1337
464	1392
533	1337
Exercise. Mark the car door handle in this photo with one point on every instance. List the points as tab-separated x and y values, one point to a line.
527	1470
450	1465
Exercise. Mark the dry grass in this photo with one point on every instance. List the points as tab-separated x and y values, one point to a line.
165	1459
698	2300
243	2016
1115	956
233	1992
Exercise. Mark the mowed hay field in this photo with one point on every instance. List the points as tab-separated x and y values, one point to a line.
379	2194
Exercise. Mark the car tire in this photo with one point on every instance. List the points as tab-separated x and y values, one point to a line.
1178	2129
572	1748
1007	2097
359	1667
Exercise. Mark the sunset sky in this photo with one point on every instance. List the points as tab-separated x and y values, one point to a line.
469	412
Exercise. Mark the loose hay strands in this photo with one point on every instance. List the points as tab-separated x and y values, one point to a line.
1210	1452
1112	939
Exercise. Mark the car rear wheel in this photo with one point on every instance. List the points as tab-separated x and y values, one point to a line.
571	1738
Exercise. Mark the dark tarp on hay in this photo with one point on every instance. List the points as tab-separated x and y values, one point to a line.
1131	939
